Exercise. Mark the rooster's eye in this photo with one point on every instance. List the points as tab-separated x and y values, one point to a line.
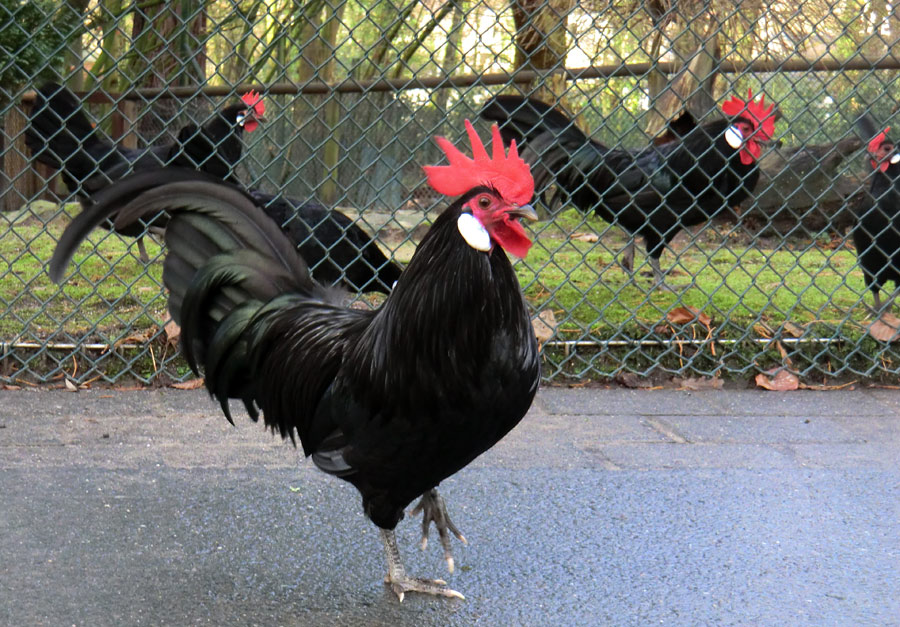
484	202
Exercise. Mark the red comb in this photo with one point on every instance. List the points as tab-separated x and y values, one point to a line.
756	112
875	144
509	175
254	99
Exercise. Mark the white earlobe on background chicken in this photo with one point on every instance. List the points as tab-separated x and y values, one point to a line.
734	137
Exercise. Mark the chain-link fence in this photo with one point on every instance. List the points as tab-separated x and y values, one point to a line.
353	93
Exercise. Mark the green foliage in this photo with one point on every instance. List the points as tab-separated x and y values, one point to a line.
32	41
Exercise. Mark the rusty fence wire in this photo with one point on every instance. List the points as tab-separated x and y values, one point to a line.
355	90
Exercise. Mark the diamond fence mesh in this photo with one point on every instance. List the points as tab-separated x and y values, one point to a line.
354	91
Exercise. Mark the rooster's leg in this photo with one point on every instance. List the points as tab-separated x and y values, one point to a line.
627	258
889	305
659	276
434	510
400	582
876	307
142	251
880	307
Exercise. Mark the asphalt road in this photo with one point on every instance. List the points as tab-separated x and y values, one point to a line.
603	507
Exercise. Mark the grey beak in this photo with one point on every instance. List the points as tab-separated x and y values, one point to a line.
525	211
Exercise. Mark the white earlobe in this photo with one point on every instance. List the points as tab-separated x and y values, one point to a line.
734	137
895	158
240	119
473	232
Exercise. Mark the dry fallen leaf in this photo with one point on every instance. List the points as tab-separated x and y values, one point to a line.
885	328
685	315
544	325
700	383
136	338
632	380
793	329
192	384
783	381
784	353
71	386
586	237
173	332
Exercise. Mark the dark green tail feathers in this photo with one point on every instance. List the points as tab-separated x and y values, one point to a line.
225	260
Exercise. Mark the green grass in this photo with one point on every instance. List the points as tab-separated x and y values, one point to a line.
751	288
107	289
748	290
729	280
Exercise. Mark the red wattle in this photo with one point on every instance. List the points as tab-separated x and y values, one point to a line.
511	236
750	153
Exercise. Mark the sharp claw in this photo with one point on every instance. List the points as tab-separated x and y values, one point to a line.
425	586
400	583
434	512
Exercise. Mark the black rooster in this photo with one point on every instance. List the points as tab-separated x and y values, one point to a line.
392	400
876	233
654	192
60	136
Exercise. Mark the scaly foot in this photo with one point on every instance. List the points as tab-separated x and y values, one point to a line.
401	583
434	510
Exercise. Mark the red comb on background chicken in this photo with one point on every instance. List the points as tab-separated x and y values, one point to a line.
254	113
654	192
392	400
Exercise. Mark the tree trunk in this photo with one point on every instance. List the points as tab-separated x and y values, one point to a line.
332	150
452	54
541	44
75	49
20	182
692	89
165	51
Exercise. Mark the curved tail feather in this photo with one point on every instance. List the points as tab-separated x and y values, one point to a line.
230	271
559	152
524	119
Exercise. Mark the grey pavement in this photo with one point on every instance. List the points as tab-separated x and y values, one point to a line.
604	507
